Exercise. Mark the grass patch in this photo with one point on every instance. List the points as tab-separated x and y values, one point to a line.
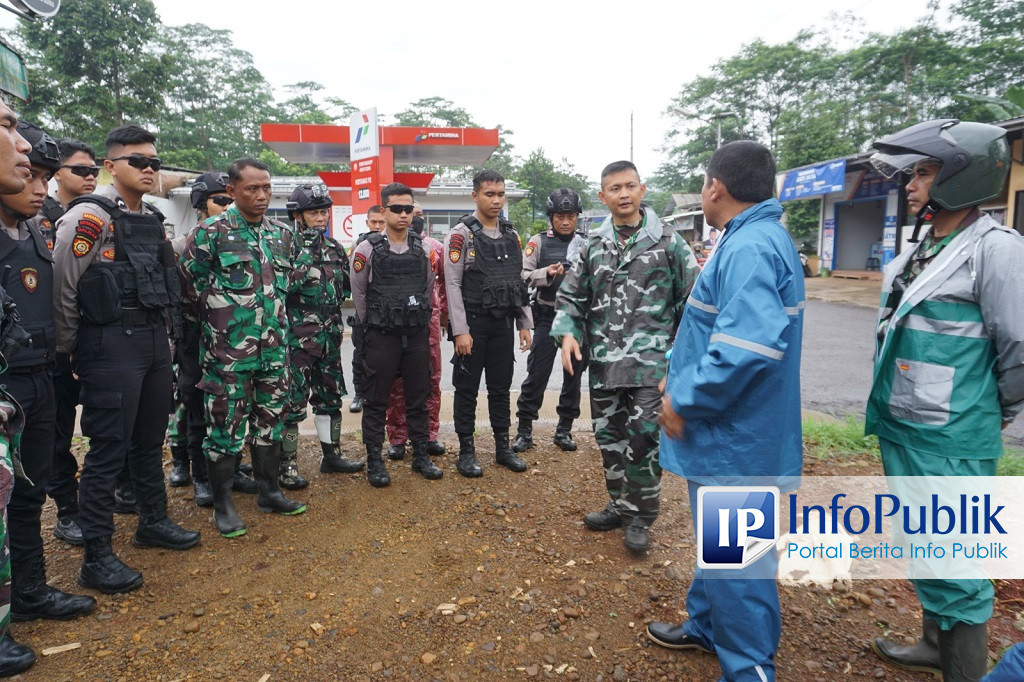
1011	463
844	439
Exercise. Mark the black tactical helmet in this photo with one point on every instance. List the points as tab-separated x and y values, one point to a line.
564	200
45	152
307	198
975	159
206	185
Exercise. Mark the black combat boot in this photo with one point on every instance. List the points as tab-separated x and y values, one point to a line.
524	439
203	491
67	528
124	499
357	404
963	652
396	452
606	519
922	655
435	448
336	463
421	463
266	463
156	530
14	657
563	436
225	518
103	571
637	538
376	471
468	465
32	598
180	476
289	477
243	481
503	454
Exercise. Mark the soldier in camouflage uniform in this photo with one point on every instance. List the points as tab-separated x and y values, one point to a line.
625	296
314	315
239	267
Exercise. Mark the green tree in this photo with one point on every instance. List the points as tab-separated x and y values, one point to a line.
542	176
434	112
95	65
304	105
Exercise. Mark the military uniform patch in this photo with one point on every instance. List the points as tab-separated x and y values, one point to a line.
30	278
454	255
49	244
89	229
108	254
81	246
359	262
455	244
530	247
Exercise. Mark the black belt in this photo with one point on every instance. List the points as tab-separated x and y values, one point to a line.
140	316
322	310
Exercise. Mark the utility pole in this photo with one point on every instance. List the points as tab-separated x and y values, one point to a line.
717	118
631	137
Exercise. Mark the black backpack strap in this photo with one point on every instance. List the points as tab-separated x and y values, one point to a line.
109	205
154	210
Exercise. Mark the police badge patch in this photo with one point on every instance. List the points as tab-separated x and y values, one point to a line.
80	246
30	279
530	247
359	262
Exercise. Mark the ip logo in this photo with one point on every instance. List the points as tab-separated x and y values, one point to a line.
736	526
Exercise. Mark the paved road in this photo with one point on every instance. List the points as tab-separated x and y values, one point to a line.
835	372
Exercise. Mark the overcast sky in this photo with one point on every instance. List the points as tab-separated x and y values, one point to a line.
561	75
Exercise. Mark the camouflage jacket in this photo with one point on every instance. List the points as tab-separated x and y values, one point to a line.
314	308
238	275
626	301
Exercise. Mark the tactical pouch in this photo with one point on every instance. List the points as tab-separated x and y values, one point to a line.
99	297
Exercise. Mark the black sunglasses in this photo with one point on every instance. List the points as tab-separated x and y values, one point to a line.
399	208
83	171
222	200
141	162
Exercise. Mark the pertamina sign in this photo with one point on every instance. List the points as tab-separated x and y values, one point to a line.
364	135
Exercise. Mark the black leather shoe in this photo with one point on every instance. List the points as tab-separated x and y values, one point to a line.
180	475
563	440
156	530
637	538
523	442
672	637
124	500
376	471
14	657
435	448
204	493
67	529
103	571
396	452
503	454
334	462
357	404
606	519
32	598
922	656
467	464
421	463
266	465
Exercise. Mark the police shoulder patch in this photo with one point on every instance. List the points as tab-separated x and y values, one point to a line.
455	243
359	262
454	255
80	246
108	254
530	247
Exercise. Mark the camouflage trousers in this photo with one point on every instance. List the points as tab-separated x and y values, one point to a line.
177	428
317	381
235	401
11	422
627	432
396	428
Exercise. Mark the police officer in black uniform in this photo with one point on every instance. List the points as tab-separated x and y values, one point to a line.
392	285
115	287
28	277
376	223
485	294
549	255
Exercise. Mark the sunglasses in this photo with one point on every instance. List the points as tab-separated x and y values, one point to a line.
141	162
222	200
83	171
399	208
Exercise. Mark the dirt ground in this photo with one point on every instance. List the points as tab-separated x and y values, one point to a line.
493	578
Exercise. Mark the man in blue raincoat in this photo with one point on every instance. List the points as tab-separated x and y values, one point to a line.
731	408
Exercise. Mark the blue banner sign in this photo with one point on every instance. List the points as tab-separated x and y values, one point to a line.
813	181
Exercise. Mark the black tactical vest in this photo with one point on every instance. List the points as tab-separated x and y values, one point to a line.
30	283
394	299
51	212
553	249
494	281
143	274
